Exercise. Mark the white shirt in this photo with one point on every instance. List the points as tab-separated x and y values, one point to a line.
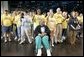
42	29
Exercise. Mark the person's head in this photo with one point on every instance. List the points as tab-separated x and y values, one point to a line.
19	12
77	13
51	12
38	11
30	14
58	10
6	12
44	13
73	14
22	15
42	22
65	14
48	13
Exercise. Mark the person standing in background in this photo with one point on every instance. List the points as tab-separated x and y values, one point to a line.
6	22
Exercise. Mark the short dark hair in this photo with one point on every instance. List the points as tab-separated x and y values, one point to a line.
22	14
6	10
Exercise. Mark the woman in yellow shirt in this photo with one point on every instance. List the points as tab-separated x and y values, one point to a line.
6	22
59	18
51	25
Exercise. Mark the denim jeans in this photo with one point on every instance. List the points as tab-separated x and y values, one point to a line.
42	40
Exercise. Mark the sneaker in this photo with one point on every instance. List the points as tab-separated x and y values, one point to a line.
48	52
32	37
58	40
52	45
15	38
39	52
41	46
21	42
5	41
9	39
63	37
30	41
19	39
61	41
7	35
1	37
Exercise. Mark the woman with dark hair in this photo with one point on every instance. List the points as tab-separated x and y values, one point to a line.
42	34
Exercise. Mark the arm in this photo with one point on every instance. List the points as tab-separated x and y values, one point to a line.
47	30
71	23
73	27
37	31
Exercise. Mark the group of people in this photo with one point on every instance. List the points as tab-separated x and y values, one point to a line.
46	28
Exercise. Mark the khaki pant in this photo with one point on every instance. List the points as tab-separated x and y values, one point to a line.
26	32
72	37
58	32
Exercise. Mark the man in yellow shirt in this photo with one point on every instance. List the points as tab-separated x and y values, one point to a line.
6	22
17	21
59	18
64	24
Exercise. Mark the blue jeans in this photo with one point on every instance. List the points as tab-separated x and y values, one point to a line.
6	29
39	40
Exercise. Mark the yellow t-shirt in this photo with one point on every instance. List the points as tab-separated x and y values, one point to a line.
6	20
51	23
59	18
17	20
37	19
43	18
80	19
64	24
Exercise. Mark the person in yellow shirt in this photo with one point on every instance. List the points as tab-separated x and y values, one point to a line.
59	18
17	21
37	18
14	14
64	24
43	16
46	18
51	25
6	22
80	20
